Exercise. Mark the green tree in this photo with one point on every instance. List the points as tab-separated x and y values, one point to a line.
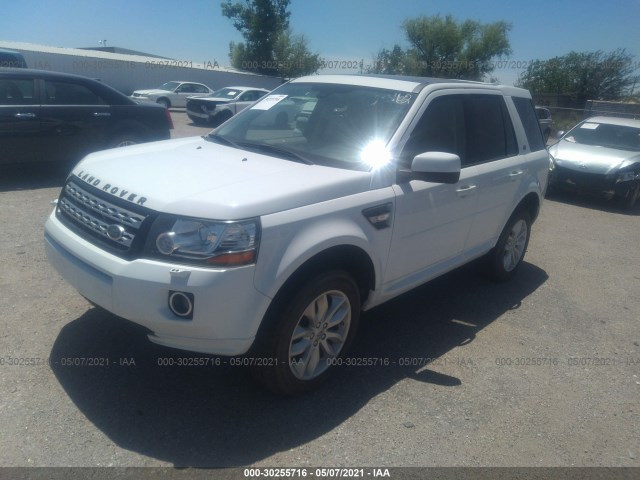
443	47
292	56
583	75
269	46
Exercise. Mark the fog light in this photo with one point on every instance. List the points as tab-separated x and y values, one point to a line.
181	304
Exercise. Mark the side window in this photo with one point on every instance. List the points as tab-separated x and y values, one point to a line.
440	129
490	134
530	122
200	89
16	92
64	93
249	96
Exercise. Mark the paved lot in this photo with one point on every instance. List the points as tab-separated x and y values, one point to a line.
542	371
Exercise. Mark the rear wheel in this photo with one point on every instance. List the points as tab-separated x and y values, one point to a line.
123	140
505	258
315	328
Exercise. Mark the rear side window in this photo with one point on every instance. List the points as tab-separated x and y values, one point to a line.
530	123
490	134
64	93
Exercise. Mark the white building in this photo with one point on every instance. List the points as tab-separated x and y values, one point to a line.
129	72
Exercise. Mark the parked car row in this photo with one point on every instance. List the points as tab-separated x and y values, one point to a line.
171	94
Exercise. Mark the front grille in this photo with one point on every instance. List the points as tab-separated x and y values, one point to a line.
583	180
110	223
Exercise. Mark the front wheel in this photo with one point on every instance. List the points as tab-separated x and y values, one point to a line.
505	258
628	201
313	330
164	102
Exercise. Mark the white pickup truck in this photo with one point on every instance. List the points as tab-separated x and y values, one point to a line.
267	240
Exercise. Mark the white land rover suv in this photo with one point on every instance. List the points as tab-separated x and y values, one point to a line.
267	239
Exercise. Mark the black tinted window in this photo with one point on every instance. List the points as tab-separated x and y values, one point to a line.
490	134
63	93
477	128
16	92
530	123
441	129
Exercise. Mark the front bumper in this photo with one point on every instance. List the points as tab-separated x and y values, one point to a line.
197	112
575	180
227	307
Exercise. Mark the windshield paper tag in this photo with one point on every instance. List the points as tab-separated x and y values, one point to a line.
269	101
590	126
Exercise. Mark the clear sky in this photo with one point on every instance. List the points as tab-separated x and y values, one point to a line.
195	30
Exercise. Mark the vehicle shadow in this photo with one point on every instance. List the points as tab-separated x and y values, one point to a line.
593	202
28	177
217	417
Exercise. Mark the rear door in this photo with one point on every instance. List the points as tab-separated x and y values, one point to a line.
19	120
492	159
75	120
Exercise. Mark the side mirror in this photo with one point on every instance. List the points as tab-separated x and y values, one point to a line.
436	167
559	134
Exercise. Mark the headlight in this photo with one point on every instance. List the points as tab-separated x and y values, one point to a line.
626	176
204	242
552	163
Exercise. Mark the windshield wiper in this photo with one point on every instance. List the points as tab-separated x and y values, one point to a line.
219	139
274	149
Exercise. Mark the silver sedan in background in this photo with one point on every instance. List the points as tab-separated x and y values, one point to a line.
601	155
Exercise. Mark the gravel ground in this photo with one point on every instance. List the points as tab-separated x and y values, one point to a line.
541	371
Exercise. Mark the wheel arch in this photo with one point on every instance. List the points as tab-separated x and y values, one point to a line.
531	203
166	99
346	257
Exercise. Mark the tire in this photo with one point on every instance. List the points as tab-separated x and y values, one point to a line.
164	102
197	120
311	330
503	260
123	140
629	200
222	117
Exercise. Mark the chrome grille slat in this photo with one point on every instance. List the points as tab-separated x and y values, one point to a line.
96	215
102	206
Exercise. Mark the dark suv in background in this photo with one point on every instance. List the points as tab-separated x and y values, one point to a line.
11	59
55	117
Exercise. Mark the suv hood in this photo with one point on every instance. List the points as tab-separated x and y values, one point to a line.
591	158
199	178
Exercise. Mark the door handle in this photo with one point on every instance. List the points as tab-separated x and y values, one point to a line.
466	190
515	174
101	114
25	115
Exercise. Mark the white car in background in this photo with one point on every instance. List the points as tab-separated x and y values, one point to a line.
222	104
172	94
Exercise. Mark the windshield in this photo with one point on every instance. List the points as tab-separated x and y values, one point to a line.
169	86
229	93
606	135
328	124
